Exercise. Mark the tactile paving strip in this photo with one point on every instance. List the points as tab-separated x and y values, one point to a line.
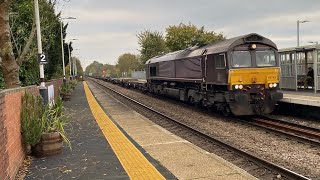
132	160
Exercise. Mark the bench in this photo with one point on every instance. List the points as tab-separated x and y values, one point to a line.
300	81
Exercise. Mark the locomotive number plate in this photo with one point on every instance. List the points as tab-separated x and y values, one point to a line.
272	77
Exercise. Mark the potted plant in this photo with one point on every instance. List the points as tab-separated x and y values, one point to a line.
73	84
65	91
54	133
32	125
43	127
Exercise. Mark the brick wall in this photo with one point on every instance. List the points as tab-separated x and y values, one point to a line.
11	143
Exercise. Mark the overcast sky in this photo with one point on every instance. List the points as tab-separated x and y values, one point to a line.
105	29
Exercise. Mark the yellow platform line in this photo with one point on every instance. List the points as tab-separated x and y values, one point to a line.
132	160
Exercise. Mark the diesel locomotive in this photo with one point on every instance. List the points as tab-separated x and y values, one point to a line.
237	76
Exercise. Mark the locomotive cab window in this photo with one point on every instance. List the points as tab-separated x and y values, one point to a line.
219	60
265	58
241	59
153	71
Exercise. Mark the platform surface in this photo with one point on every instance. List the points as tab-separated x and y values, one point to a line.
92	156
180	157
303	98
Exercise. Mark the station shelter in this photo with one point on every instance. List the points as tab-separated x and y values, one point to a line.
295	63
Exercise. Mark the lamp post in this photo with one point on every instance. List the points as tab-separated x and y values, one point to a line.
70	67
42	88
62	48
75	69
298	22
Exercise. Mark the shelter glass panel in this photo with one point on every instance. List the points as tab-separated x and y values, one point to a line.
288	70
318	64
301	63
310	57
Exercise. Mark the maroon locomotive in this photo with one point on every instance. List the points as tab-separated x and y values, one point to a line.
238	75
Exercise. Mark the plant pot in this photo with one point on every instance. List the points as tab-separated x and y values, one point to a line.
28	149
50	144
66	96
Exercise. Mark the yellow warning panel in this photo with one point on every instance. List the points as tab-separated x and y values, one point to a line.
132	160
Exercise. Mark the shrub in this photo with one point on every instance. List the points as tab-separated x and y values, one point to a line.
65	88
32	123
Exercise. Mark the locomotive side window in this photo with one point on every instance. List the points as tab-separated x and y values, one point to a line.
265	58
220	61
153	71
241	59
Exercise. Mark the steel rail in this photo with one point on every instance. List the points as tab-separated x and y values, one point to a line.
296	132
294	127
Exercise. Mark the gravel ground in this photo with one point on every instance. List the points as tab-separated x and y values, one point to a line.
299	157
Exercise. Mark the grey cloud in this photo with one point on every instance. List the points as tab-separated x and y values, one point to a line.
99	20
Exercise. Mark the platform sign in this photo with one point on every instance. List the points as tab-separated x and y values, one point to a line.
43	58
51	95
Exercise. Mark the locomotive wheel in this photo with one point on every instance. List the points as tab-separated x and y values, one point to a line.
226	111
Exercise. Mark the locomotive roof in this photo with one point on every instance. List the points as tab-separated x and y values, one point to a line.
219	47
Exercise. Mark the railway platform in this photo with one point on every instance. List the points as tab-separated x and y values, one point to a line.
301	98
92	155
111	141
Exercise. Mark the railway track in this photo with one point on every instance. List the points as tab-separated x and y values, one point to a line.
292	130
256	166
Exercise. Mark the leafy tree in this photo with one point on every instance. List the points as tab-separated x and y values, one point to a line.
9	64
128	62
94	68
182	36
110	70
151	44
18	55
79	66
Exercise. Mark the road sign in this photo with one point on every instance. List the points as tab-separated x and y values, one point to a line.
43	58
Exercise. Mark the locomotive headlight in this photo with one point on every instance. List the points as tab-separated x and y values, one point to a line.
238	86
270	85
275	85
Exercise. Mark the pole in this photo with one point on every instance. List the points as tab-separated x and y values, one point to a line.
42	88
73	71
62	49
70	67
75	68
298	33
